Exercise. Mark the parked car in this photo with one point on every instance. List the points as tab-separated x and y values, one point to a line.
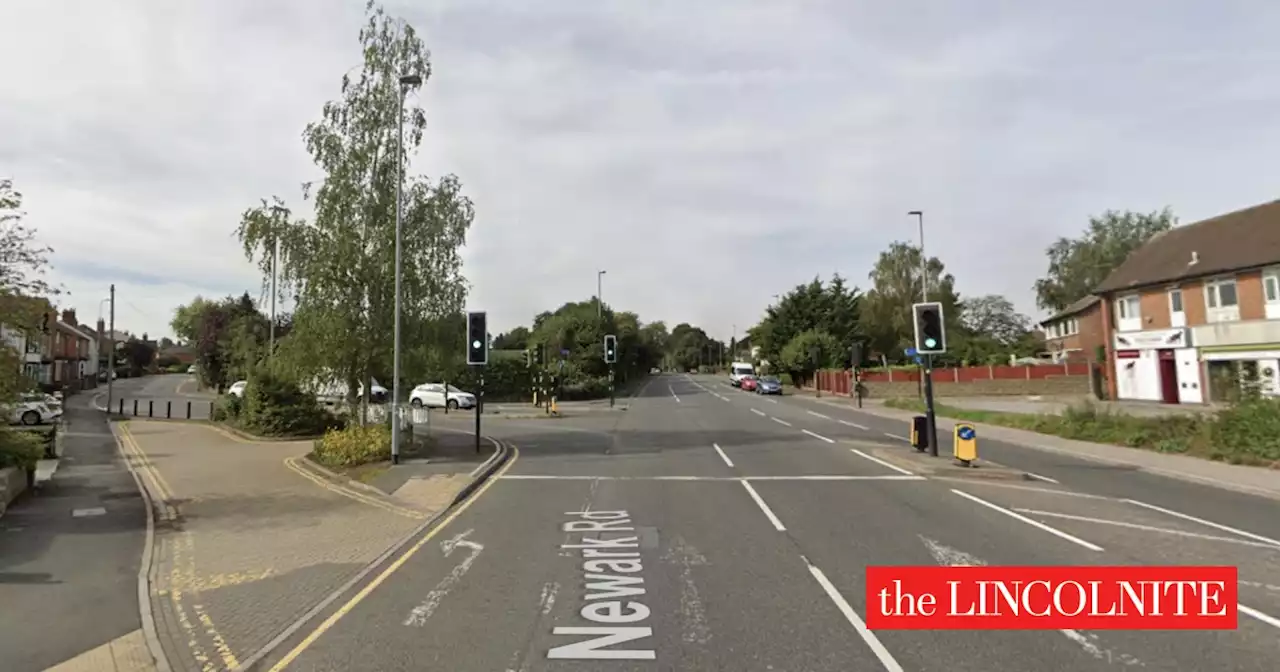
769	385
432	395
191	369
237	388
747	383
35	409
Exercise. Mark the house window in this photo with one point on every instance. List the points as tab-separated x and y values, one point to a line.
1221	299
1175	300
1271	286
1128	313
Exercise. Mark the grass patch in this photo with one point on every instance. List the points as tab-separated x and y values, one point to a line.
1246	433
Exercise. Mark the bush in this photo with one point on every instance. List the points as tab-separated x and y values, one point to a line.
22	449
276	406
353	446
1248	432
227	408
583	390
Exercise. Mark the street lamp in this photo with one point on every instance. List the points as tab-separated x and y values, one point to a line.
924	261
406	81
600	295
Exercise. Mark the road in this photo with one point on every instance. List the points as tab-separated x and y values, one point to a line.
156	396
753	521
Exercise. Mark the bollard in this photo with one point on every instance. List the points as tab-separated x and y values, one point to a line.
965	447
135	408
211	410
920	432
168	409
151	408
188	410
122	407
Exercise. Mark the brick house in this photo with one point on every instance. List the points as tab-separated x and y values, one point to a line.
71	351
1196	310
1076	333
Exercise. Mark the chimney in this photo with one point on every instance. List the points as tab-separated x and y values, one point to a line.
102	326
69	317
1195	258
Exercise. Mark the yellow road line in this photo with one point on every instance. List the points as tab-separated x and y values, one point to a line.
292	464
391	569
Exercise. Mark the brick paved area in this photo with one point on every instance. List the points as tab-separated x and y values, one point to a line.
245	543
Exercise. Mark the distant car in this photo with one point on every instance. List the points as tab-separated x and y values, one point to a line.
432	395
191	369
655	371
237	388
34	409
738	370
768	385
747	383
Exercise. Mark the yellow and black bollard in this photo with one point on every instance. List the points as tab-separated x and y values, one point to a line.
966	444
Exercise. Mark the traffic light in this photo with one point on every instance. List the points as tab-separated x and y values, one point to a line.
477	339
931	335
539	354
610	348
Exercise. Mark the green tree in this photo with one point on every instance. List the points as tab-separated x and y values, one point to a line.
832	308
339	267
516	339
887	315
185	322
1078	265
24	290
809	351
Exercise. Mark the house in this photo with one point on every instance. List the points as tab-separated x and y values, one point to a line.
1196	311
186	355
1076	333
70	351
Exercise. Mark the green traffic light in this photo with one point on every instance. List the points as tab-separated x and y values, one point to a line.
930	343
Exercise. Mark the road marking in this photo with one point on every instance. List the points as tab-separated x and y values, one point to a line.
722	479
386	573
772	401
1256	584
1030	488
881	462
1034	523
673	393
1202	521
1269	620
292	464
93	511
418	615
722	397
886	658
818	436
777	524
724	457
819	415
758	412
781	421
1145	528
1038	477
853	424
895	436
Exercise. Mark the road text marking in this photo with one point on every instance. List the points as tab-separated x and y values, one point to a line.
722	455
768	513
612	568
886	658
1034	523
818	436
1202	521
881	462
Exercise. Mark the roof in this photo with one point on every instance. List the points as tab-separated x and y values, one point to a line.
75	332
1076	308
1248	238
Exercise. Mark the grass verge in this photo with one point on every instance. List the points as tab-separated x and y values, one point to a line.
1247	433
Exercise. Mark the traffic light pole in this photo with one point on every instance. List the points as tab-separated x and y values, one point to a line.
930	418
480	411
610	386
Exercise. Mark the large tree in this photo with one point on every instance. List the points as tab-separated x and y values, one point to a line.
832	309
896	277
24	290
1078	265
990	331
339	266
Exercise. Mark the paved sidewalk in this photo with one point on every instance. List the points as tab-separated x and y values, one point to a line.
247	540
1254	480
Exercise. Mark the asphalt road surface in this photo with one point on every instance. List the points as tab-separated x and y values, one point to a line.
749	523
158	396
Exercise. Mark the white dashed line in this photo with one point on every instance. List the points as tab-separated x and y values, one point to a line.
758	412
880	462
780	421
818	436
1038	477
772	401
819	415
722	455
853	424
1034	523
777	524
1202	521
673	393
895	436
1269	620
886	658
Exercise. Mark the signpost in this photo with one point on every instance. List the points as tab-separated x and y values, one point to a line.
477	356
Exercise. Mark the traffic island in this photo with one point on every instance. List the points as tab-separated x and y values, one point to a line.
944	465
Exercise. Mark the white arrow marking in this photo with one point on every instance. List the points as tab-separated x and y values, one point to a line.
419	615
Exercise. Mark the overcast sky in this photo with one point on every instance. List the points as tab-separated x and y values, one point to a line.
707	153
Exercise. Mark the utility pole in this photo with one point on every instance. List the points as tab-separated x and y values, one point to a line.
931	417
111	352
600	296
405	82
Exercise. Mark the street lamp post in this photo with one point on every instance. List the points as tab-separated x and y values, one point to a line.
931	418
406	81
600	295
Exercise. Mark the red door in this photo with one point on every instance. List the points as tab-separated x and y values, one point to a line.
1168	377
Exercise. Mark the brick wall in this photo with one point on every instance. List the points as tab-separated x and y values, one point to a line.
1059	379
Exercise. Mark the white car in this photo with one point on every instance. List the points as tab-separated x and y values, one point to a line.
432	395
237	388
34	409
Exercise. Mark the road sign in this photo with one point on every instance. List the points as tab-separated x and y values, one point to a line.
910	352
966	443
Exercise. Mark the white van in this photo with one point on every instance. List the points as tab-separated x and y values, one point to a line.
738	370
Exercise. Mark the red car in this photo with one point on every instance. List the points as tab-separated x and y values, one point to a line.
748	384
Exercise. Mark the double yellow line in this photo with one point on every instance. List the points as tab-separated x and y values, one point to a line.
293	464
162	493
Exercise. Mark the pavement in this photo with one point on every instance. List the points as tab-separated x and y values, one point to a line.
69	556
1056	405
743	527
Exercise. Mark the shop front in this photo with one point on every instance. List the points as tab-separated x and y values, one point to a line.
1158	365
1233	368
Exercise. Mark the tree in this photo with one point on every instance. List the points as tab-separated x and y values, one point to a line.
1078	265
138	354
516	339
811	350
24	291
185	319
339	267
994	317
832	308
887	307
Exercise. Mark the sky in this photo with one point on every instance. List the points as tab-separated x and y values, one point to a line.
708	155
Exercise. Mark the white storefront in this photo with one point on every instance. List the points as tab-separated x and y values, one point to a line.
1157	365
1255	343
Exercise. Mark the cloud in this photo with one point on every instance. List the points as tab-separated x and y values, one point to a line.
708	155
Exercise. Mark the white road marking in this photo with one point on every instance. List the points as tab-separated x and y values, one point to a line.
723	479
853	424
1144	528
83	513
722	397
895	436
819	415
1034	523
772	401
419	615
724	457
1265	618
1202	521
886	658
950	557
1038	477
1088	642
673	393
548	598
780	421
758	412
692	612
1032	488
1255	584
768	513
818	436
881	462
839	477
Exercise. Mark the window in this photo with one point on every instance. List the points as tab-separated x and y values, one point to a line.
1175	300
1271	286
1127	308
1221	294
